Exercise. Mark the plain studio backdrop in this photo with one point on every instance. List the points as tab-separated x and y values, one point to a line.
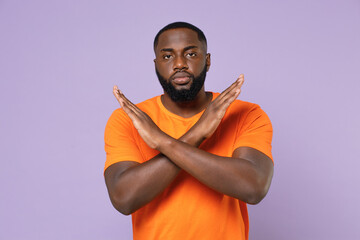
60	59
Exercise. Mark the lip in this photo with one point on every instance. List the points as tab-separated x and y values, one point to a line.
181	78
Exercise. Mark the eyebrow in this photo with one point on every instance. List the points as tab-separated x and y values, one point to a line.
190	47
171	49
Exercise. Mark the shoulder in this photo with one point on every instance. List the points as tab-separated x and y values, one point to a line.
146	105
243	106
120	118
245	112
249	111
240	107
250	115
238	104
149	104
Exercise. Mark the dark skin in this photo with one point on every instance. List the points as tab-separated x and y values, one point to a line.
246	175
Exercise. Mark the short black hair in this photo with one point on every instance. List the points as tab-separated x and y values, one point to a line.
175	25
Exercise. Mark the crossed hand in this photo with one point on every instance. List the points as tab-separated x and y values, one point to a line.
204	128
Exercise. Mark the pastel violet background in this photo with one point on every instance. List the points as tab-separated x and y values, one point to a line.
60	59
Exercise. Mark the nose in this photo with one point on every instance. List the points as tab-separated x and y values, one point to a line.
180	63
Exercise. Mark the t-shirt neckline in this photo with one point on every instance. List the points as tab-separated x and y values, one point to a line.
167	112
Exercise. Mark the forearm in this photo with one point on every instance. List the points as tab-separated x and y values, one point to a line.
236	177
140	184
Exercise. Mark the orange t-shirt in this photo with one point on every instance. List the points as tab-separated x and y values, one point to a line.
187	209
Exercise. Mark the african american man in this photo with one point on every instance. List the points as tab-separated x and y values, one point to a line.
186	163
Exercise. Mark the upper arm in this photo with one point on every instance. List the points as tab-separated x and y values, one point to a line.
253	144
261	173
112	172
121	140
261	162
122	150
254	130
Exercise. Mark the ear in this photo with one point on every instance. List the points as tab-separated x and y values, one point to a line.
208	61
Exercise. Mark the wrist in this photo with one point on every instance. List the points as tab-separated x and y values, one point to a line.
193	137
165	142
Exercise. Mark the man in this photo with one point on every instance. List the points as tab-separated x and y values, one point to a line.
185	163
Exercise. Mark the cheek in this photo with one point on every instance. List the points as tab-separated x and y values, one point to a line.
164	69
197	67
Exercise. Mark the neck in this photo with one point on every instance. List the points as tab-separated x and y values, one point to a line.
190	108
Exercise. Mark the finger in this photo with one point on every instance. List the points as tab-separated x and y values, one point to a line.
120	96
233	93
132	110
232	88
117	95
226	91
237	89
124	103
235	84
126	106
129	104
115	91
241	80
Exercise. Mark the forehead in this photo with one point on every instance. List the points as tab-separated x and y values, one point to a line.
179	38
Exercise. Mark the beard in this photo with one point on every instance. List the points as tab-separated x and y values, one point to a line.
183	95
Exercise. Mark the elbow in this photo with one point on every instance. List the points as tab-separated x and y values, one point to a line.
258	188
122	205
256	193
124	210
256	197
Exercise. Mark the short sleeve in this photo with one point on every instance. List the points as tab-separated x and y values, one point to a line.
255	131
120	142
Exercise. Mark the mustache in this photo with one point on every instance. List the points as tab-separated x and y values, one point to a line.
181	71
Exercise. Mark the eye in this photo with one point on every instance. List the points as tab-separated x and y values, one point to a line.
166	57
192	54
